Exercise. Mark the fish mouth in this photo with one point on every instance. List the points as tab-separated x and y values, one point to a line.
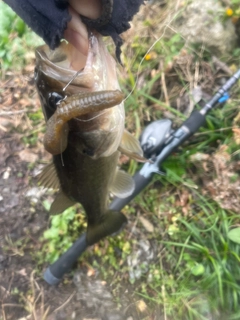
65	72
67	65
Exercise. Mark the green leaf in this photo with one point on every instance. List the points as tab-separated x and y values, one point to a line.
51	233
234	235
69	214
56	220
46	204
198	270
63	226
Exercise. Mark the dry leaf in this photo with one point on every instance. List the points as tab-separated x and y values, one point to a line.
141	305
236	135
236	120
28	156
146	224
22	272
91	272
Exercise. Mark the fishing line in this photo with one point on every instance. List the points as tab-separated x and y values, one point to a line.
138	71
151	47
73	78
62	154
92	117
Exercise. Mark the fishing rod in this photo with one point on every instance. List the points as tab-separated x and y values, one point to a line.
158	140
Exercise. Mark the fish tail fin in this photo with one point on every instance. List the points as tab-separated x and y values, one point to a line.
111	222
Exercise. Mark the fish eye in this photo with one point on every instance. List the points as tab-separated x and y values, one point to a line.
89	152
53	99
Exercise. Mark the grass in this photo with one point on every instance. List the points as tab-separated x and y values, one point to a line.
64	229
206	259
194	272
16	41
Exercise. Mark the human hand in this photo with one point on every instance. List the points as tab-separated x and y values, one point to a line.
76	32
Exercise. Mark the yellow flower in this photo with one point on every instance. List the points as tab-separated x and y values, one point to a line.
148	57
151	55
229	12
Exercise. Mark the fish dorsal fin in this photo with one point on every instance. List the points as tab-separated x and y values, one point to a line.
48	177
122	185
61	203
131	147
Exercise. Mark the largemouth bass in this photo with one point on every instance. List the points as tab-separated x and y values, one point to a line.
85	133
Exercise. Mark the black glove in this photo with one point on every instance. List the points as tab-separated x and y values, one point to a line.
49	18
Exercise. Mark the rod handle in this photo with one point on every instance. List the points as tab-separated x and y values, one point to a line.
55	271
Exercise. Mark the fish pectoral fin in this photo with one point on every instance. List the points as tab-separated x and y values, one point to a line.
61	203
122	185
131	147
130	143
48	177
110	223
